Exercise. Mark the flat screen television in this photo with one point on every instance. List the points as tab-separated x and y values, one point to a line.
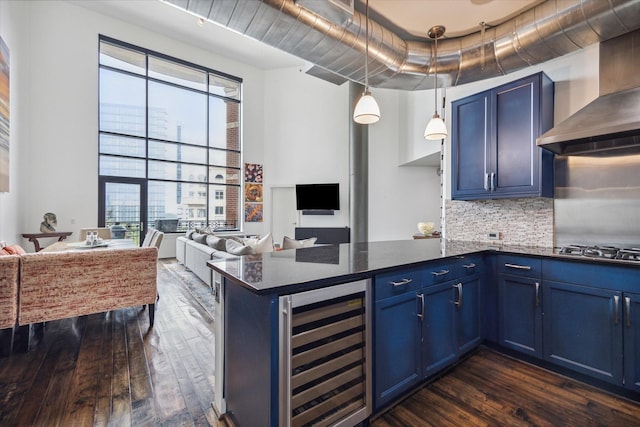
317	197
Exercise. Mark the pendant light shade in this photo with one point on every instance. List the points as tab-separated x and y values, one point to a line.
366	111
436	129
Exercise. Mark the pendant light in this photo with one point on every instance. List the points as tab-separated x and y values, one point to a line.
436	129
367	110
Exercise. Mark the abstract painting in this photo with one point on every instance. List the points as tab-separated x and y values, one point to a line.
4	116
253	195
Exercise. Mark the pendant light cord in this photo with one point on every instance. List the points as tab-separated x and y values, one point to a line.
366	44
435	77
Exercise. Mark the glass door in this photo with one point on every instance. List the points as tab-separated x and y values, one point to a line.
122	206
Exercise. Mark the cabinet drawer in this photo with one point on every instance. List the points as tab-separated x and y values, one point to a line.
520	266
396	283
468	267
440	273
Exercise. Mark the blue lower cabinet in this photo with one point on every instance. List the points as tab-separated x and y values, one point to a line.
420	332
397	347
452	322
520	314
439	346
632	341
582	330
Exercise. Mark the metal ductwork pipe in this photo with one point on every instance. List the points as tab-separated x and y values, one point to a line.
546	31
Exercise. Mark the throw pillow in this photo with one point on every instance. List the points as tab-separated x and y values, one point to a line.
237	248
289	243
14	250
207	230
3	252
262	245
199	238
217	243
189	233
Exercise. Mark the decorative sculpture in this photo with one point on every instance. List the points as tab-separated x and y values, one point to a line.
49	224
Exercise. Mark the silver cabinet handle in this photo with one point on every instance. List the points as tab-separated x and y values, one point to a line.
519	267
467	266
616	309
493	180
440	273
627	311
537	294
459	287
421	298
486	182
402	282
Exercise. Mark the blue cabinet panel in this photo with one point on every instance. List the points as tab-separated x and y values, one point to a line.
439	347
521	314
582	329
251	339
472	140
632	341
397	347
468	322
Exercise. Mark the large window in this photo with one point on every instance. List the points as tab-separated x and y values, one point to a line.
175	125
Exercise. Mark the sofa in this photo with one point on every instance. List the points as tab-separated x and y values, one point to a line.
198	246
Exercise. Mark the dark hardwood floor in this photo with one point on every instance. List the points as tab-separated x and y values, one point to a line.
109	370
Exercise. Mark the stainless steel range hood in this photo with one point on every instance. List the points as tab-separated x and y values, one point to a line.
612	121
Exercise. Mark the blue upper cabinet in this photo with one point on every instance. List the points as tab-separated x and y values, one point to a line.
494	151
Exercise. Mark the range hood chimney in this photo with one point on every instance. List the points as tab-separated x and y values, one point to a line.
612	121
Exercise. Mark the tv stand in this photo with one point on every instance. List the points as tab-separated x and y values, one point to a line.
317	212
325	235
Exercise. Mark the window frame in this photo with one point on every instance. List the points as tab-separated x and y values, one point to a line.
209	179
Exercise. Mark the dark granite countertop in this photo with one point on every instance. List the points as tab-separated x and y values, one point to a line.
298	270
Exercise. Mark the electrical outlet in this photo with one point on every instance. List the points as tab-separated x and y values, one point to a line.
493	235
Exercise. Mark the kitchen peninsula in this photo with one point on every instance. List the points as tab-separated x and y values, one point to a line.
341	332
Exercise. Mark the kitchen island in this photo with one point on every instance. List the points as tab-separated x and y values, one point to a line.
380	282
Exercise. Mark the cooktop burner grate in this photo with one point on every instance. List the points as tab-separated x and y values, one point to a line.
598	251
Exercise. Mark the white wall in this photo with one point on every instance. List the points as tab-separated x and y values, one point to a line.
10	18
399	197
306	138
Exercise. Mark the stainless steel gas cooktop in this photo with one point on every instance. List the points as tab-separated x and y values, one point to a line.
597	251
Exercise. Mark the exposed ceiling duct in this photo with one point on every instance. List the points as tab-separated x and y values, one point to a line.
546	31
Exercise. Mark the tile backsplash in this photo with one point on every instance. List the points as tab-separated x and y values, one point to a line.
526	221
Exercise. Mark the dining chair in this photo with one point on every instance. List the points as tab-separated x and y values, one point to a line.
149	237
103	233
153	238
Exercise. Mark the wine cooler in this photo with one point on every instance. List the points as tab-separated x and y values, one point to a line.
325	358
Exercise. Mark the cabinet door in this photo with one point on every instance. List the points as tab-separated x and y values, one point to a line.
520	318
468	322
582	329
397	347
516	128
470	139
632	341
439	344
